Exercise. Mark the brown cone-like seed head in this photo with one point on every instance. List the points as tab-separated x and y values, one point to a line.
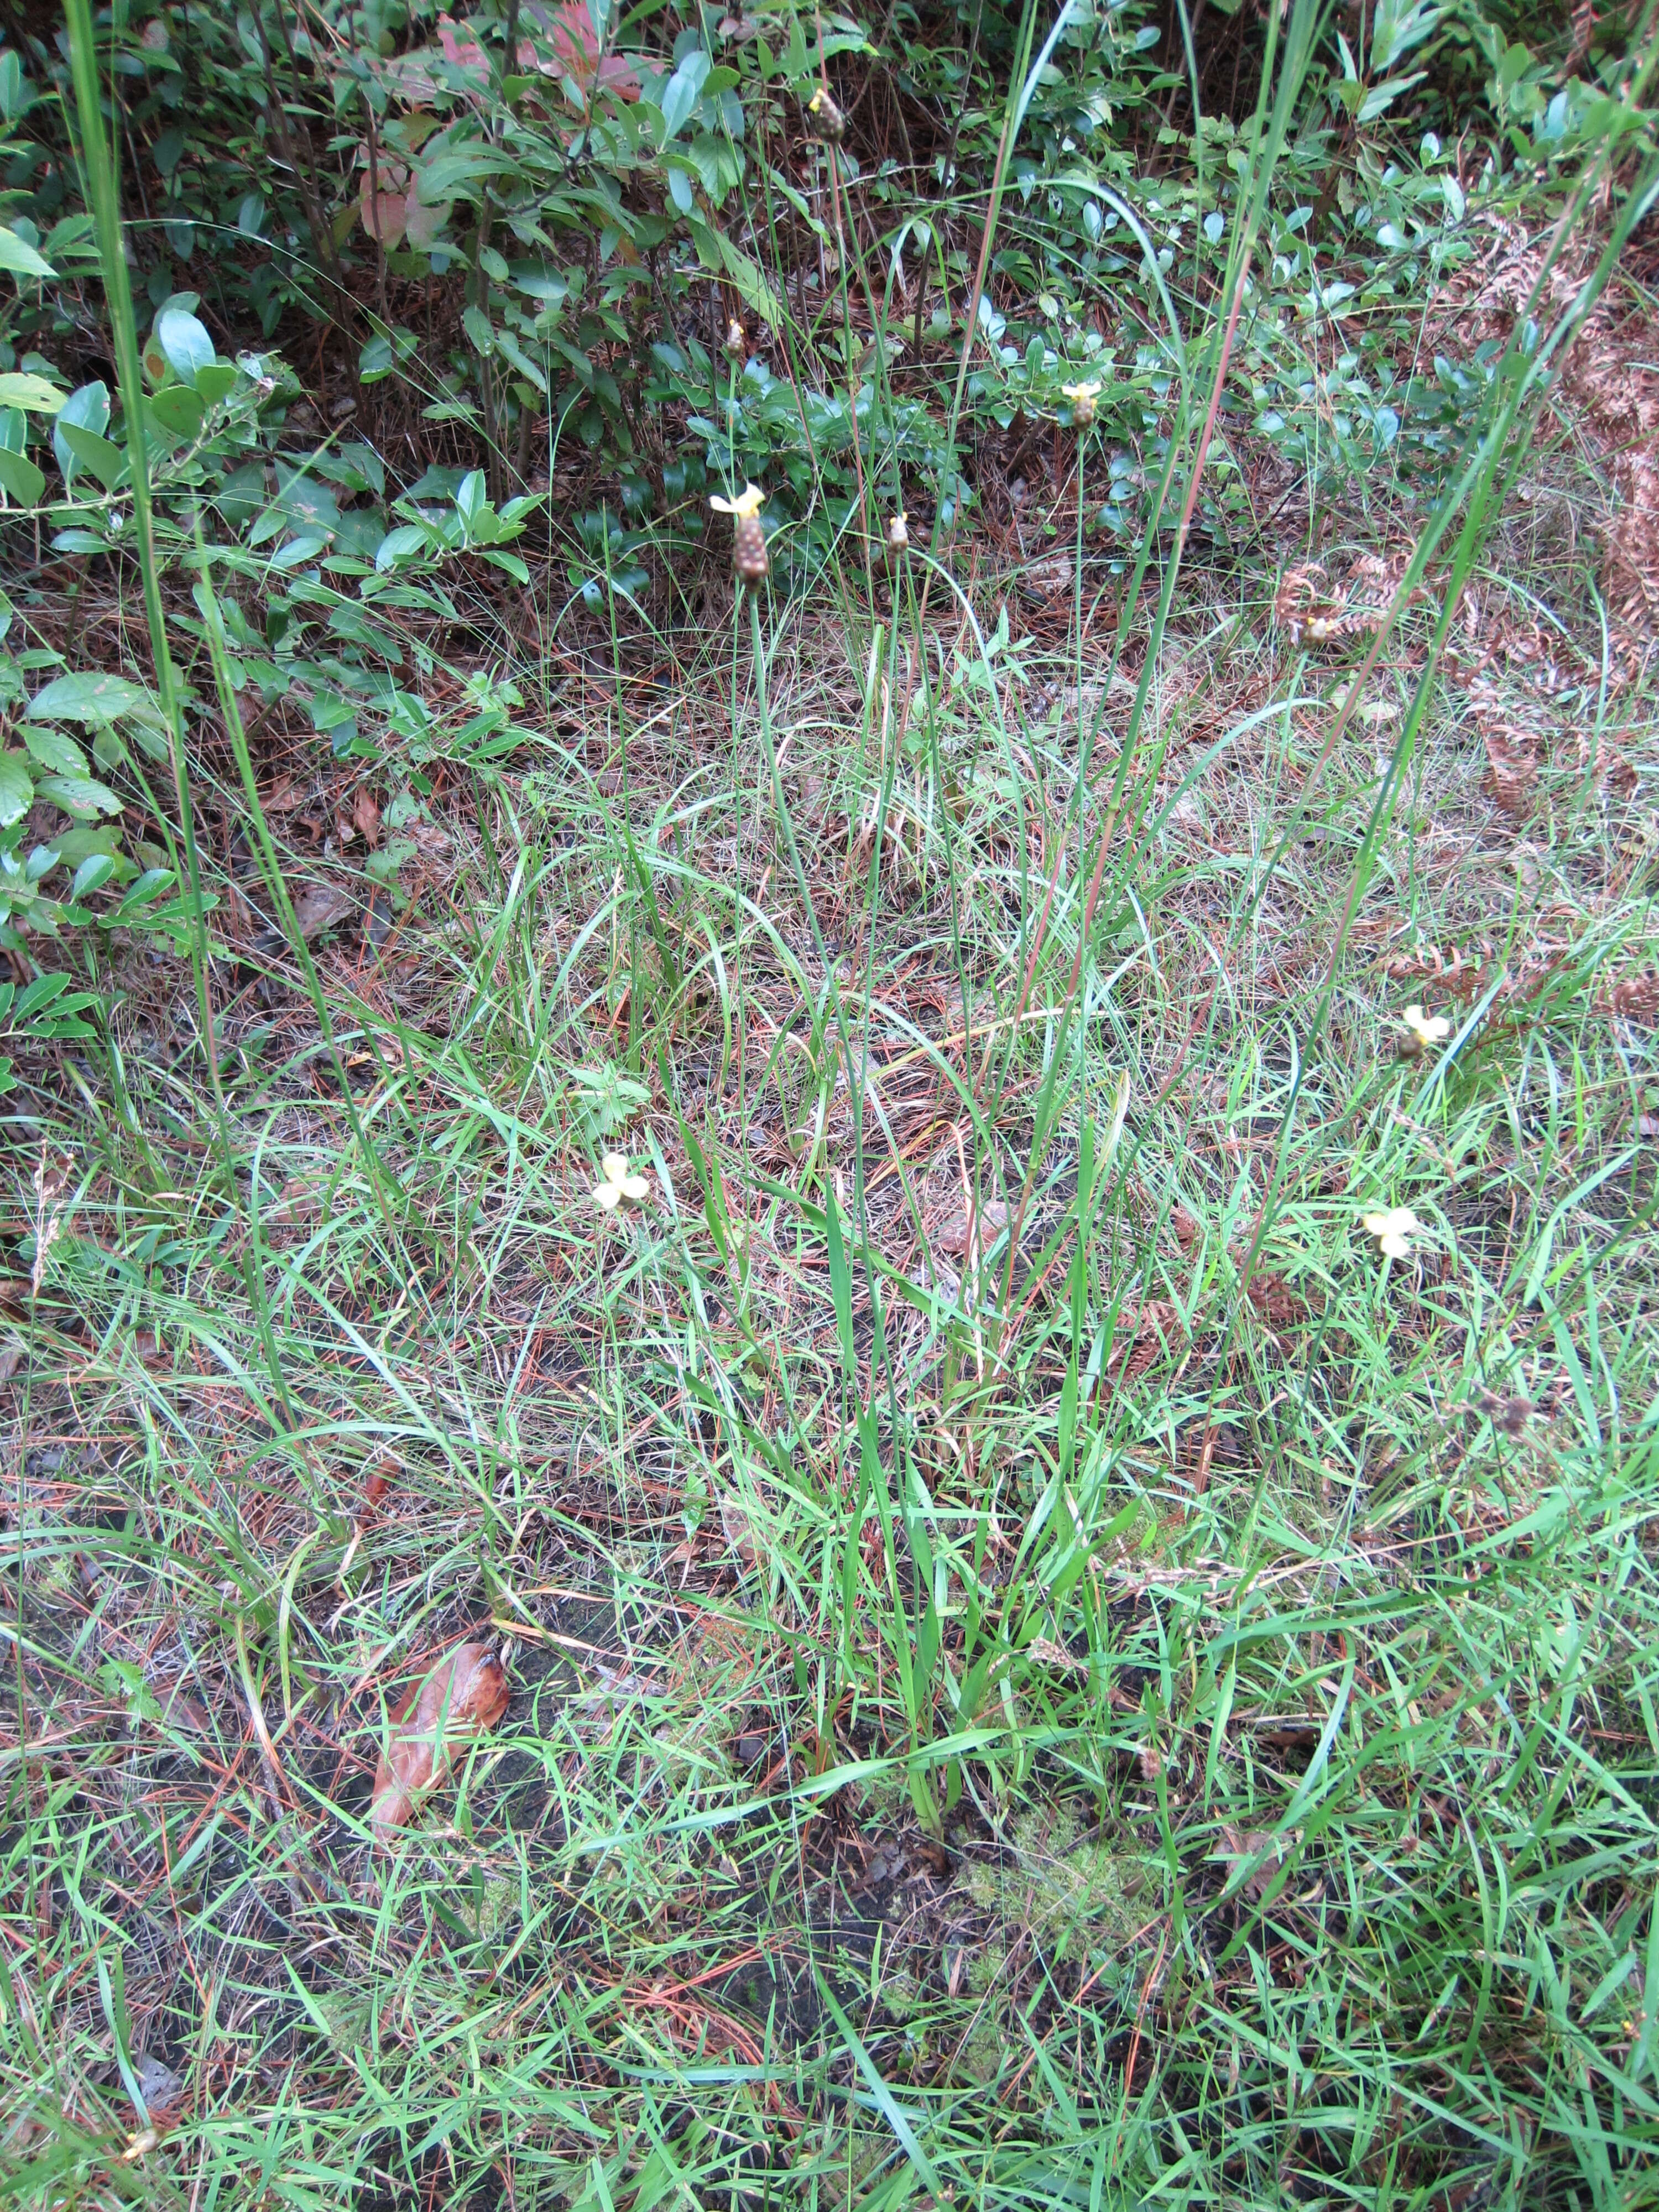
736	339
749	555
898	534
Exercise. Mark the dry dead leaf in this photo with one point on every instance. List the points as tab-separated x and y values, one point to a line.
301	1199
739	1534
319	907
956	1233
1240	1845
1511	774
284	795
179	1710
366	816
460	1699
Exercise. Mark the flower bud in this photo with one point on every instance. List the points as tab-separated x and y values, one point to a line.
749	555
1083	398
830	123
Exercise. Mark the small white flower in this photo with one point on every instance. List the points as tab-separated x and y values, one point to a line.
619	1184
1393	1229
1427	1029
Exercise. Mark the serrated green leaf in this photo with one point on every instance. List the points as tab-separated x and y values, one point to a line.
16	789
56	754
80	794
88	696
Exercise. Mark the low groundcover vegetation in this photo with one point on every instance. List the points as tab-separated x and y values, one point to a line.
827	1345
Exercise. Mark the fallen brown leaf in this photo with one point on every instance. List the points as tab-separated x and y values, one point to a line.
366	816
320	906
180	1711
460	1699
739	1534
1240	1845
957	1233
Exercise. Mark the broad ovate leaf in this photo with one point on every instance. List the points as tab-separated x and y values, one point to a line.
464	1695
17	255
185	342
20	388
19	478
85	409
383	202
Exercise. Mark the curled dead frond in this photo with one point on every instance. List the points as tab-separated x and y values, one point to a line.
1633	998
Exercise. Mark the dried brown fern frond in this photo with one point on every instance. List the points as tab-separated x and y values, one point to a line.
1608	376
1278	1306
1310	605
1512	776
1143	1332
1467	973
1464	970
1633	998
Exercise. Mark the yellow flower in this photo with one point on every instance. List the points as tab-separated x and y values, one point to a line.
898	533
1426	1028
619	1184
736	338
1083	398
1392	1229
749	502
